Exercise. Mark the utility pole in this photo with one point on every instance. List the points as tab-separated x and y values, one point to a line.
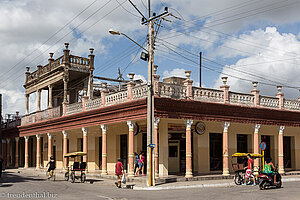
150	100
150	95
200	71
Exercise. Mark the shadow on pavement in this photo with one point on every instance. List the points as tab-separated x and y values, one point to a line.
10	177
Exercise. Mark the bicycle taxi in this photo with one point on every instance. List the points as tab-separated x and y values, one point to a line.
239	161
77	169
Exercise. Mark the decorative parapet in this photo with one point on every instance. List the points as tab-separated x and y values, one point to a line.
115	98
93	104
269	102
79	60
41	116
241	99
73	108
172	91
139	91
291	104
45	69
210	95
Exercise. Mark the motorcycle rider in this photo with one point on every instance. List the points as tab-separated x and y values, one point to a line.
268	169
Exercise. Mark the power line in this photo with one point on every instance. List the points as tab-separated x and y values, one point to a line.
50	37
87	28
234	76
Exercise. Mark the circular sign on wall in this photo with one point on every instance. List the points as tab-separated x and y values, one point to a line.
200	128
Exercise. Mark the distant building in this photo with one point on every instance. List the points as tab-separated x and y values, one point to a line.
196	130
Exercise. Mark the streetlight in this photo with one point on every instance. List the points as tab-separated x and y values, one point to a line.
150	97
113	32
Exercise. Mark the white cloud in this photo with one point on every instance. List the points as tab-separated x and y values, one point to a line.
275	62
178	72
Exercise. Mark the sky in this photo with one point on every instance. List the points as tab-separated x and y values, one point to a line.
245	40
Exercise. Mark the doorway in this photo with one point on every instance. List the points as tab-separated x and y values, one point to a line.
242	147
215	150
124	150
287	152
174	159
267	140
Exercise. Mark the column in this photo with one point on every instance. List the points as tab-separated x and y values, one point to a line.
38	151
225	149
27	104
65	148
280	150
65	80
188	140
26	151
225	89
3	149
156	164
130	149
49	145
7	152
255	146
104	150
50	100
39	100
17	152
84	142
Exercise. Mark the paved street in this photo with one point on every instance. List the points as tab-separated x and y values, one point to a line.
13	183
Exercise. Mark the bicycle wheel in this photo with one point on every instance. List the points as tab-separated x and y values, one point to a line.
53	175
82	177
238	179
73	177
67	176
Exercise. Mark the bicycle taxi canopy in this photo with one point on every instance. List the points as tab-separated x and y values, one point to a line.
253	155
75	154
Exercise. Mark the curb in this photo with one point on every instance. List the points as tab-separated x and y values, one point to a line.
284	180
185	186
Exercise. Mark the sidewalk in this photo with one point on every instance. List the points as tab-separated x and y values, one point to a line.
170	182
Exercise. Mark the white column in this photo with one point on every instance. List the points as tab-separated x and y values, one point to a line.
49	145
65	148
85	142
17	152
38	151
188	143
130	149
26	152
280	151
225	149
104	150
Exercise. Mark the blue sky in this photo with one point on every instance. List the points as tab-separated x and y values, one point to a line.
244	40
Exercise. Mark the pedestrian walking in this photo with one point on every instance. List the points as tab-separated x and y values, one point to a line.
119	172
136	161
141	164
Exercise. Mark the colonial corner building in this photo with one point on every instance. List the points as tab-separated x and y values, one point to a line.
196	130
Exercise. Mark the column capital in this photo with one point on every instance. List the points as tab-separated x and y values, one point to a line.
226	126
189	123
38	137
84	131
17	139
257	127
3	141
26	138
7	140
65	134
156	121
103	127
130	124
49	135
281	128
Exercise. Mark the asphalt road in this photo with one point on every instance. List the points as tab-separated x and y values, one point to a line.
14	185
